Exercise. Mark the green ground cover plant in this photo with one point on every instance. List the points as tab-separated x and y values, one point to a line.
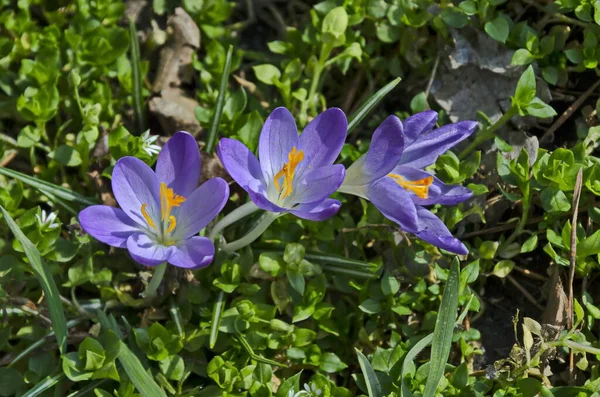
299	198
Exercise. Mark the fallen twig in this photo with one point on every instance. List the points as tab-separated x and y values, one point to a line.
570	110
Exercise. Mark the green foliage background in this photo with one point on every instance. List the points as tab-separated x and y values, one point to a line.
345	307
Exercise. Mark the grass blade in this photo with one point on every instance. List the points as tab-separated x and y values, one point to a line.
212	135
136	373
410	357
43	385
371	380
138	99
373	101
42	273
131	364
40	342
444	328
47	187
216	319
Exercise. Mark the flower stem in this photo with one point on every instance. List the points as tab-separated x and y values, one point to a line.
487	134
316	77
232	217
525	203
157	277
263	224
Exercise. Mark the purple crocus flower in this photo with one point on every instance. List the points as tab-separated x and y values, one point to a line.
161	212
295	173
391	175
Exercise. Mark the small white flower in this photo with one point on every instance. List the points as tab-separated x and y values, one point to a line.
148	143
47	220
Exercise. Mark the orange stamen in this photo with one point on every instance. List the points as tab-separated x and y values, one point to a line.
419	187
168	201
287	172
147	217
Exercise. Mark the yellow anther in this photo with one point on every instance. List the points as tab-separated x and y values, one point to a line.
172	224
419	187
287	172
168	200
147	217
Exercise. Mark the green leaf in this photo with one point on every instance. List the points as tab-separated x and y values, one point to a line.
331	363
66	155
267	74
44	276
409	362
444	328
370	306
525	90
138	80
455	17
538	108
291	383
216	319
371	380
296	280
589	246
503	268
522	57
48	188
137	374
502	145
335	22
370	104
498	29
173	367
555	200
212	134
530	244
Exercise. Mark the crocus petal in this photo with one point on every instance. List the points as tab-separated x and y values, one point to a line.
323	138
277	138
146	251
318	184
386	147
194	253
433	230
201	207
135	184
324	210
425	150
258	195
418	124
439	192
241	164
108	224
178	164
394	203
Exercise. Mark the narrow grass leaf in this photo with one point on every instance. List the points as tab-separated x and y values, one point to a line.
373	101
89	388
42	273
409	359
138	100
216	319
40	342
137	374
47	187
44	385
371	380
212	135
444	327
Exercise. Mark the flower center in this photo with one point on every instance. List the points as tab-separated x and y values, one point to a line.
419	187
287	172
168	201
